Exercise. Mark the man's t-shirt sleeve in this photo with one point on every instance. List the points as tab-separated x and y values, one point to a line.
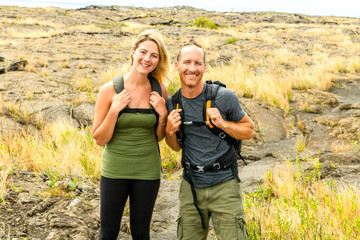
229	105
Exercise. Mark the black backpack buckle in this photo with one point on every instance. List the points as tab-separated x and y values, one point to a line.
217	166
200	169
222	135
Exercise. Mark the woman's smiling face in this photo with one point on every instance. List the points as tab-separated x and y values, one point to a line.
146	57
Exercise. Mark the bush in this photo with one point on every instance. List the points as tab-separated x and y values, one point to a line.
204	22
231	40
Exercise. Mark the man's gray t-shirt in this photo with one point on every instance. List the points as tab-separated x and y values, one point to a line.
201	147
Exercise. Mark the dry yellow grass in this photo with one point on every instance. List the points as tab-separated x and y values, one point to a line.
19	30
171	160
85	28
268	74
30	21
59	147
28	34
7	42
113	71
266	65
294	204
135	27
271	74
345	145
241	78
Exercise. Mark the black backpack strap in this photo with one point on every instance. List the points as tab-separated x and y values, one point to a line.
210	95
212	89
118	84
195	199
138	110
176	102
155	85
227	161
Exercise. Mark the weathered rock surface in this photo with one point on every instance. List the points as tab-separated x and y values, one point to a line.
54	91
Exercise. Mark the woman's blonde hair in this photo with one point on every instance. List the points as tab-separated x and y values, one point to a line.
162	69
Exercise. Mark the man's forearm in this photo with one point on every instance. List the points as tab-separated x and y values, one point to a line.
171	140
243	129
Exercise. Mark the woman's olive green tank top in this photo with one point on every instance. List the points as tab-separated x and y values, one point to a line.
132	152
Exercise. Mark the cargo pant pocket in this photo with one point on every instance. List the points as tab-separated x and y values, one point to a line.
241	228
179	228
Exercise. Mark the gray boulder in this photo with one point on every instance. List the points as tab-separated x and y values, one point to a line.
84	114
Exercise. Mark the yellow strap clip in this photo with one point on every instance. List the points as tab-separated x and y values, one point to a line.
177	107
208	104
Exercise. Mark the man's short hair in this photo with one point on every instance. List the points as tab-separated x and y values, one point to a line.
191	42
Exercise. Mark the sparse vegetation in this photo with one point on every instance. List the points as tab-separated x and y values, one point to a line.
205	22
71	151
171	160
346	145
231	40
300	143
296	204
268	62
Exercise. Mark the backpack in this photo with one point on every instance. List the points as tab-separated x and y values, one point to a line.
155	86
211	91
228	160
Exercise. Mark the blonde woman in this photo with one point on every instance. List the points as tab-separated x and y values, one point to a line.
129	124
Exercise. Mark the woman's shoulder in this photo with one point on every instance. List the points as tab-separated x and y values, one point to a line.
107	88
164	91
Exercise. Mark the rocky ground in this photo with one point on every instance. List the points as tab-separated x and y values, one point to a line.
68	56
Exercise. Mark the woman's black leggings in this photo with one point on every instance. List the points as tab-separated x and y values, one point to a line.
113	196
